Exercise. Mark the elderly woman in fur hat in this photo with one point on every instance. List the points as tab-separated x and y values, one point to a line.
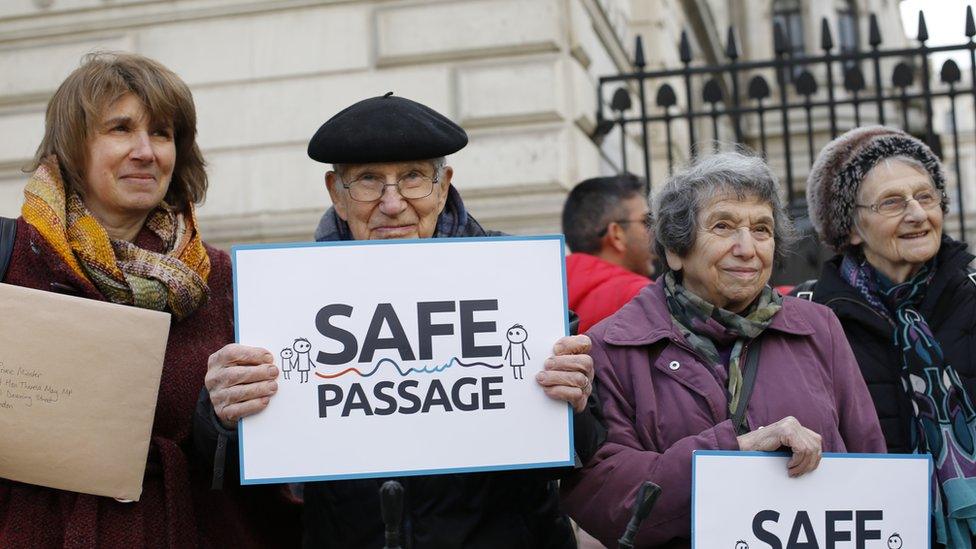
907	301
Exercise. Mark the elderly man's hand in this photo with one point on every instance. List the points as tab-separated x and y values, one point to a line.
568	374
241	381
806	445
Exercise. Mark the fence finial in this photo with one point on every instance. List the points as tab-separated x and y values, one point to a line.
639	61
731	49
826	40
621	100
923	31
874	32
970	24
684	48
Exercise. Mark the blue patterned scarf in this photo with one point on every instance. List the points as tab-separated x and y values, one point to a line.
945	420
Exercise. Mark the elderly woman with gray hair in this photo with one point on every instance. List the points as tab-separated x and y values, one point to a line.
907	301
712	358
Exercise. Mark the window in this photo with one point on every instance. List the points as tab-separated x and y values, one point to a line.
847	28
789	15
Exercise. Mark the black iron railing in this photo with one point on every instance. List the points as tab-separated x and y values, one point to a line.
731	92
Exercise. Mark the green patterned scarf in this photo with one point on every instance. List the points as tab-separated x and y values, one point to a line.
703	325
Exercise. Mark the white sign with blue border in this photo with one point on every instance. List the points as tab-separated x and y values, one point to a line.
746	500
403	357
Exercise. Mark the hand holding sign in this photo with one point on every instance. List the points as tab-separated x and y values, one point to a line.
807	446
568	374
241	381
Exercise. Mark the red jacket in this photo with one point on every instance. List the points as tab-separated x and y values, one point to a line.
177	509
598	288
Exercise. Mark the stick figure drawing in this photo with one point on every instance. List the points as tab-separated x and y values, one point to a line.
303	362
287	358
516	352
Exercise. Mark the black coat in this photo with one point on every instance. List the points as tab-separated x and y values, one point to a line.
511	509
949	307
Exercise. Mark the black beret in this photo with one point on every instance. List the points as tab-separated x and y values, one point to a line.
385	129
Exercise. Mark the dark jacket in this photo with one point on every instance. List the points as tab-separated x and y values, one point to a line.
662	402
949	307
177	507
512	509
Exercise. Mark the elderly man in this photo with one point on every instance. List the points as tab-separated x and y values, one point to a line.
605	223
389	179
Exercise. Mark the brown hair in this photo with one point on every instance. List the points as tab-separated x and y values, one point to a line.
102	79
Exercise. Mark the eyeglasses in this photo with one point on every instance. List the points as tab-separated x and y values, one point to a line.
369	187
645	219
896	205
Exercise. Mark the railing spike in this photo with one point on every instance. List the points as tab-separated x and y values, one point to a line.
874	32
970	23
731	49
826	40
684	48
923	30
639	60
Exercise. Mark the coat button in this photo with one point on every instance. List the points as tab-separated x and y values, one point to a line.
674	365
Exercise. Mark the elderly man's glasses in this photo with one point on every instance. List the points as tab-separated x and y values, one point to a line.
369	187
896	205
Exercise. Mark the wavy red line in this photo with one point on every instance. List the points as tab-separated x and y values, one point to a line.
344	372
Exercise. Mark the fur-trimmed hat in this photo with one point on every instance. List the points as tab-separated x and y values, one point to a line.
836	177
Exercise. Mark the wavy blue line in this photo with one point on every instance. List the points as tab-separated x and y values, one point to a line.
426	369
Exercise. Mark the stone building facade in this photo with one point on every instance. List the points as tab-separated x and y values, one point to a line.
519	75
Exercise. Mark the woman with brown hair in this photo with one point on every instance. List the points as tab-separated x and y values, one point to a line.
108	215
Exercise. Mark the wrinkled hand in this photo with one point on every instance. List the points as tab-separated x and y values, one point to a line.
241	381
807	446
568	374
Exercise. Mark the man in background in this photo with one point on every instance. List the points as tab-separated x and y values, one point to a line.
605	223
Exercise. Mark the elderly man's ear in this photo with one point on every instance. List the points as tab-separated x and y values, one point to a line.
444	183
332	184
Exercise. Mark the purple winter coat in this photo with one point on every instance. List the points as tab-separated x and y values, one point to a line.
658	414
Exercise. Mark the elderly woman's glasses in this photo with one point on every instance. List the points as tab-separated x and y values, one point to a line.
896	205
369	187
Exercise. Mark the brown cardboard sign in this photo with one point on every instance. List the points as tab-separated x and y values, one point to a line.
78	385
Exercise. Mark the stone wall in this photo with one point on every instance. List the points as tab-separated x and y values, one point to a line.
519	75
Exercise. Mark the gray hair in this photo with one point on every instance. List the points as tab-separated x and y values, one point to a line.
682	198
909	161
437	164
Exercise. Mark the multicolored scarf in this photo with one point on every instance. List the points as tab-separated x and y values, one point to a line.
175	281
945	420
703	325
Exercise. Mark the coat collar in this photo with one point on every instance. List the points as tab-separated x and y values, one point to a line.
646	320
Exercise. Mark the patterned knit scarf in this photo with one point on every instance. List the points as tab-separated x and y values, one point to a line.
945	420
123	272
704	325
